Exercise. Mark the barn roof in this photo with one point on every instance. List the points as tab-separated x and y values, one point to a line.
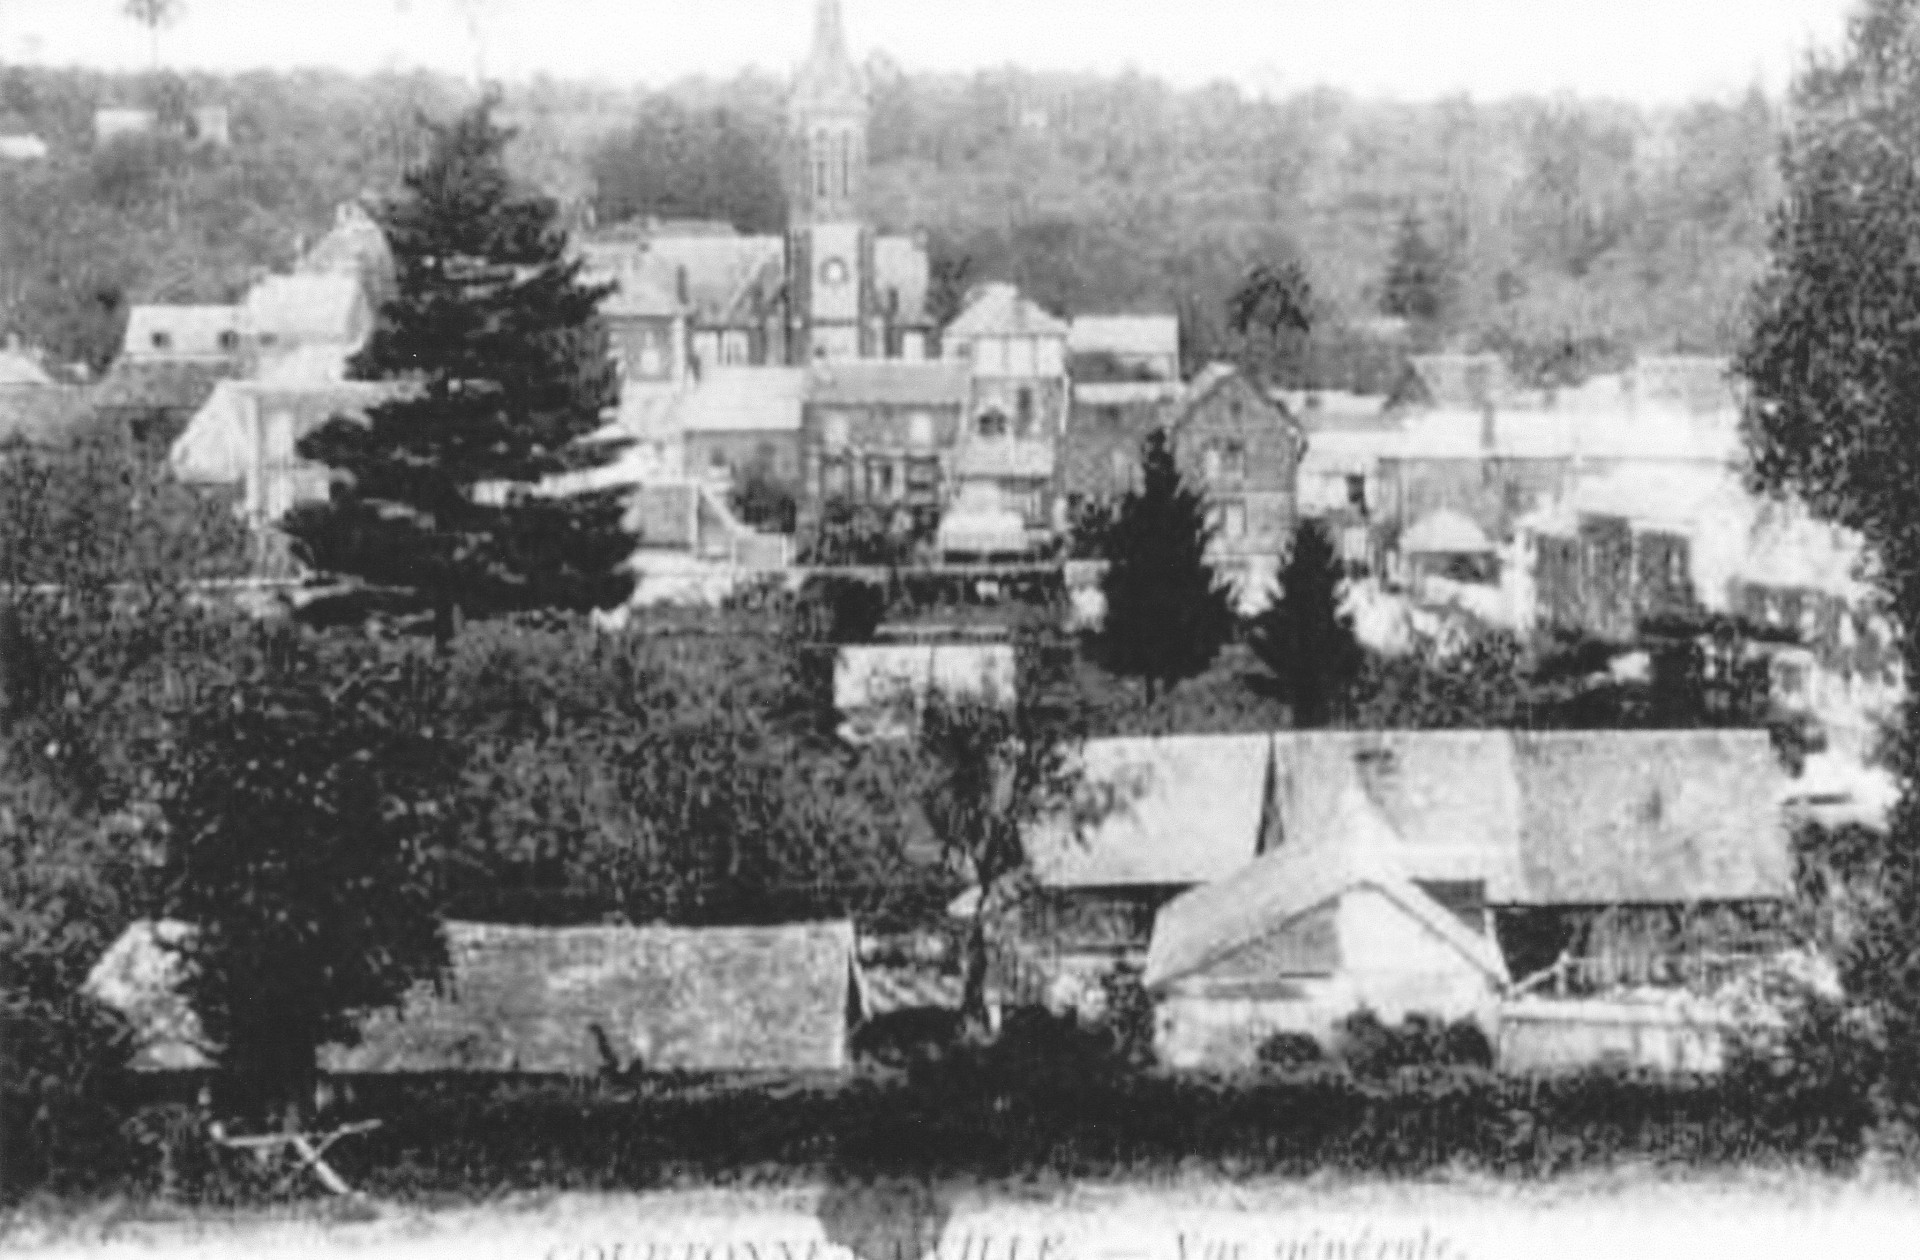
561	1001
1351	846
1650	816
1538	818
1170	809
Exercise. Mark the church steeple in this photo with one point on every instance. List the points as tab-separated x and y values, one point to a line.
829	118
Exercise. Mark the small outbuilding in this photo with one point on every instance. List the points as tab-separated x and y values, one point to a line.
573	1001
1309	933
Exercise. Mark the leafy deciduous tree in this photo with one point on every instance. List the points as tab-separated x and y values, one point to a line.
1834	361
308	806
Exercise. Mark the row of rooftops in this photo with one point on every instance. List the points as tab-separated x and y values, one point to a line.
1540	818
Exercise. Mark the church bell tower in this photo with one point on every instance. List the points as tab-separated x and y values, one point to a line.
829	248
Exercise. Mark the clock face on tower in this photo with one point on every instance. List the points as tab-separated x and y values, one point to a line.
833	272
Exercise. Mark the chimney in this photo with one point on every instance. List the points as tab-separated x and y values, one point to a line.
680	284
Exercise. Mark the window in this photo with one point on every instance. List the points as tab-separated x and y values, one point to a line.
1357	491
229	339
717	459
1023	425
1110	417
162	340
1233	460
879	480
992	424
923	478
836	477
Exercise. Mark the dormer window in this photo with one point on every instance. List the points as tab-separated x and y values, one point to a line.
992	424
229	340
162	340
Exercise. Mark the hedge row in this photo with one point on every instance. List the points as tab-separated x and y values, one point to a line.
985	1115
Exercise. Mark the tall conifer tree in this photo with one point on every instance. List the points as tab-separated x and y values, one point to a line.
503	363
1167	612
1302	636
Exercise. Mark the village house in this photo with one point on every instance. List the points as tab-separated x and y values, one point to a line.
575	1001
1106	430
885	435
1016	355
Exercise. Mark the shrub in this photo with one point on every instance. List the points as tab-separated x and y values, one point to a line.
1289	1050
1371	1048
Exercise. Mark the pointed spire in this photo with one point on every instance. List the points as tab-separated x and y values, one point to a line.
829	36
828	82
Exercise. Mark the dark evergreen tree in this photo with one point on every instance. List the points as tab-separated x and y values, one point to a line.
1833	357
1303	636
503	365
1274	301
1416	282
1167	612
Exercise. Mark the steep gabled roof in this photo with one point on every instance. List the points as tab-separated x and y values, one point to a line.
1352	847
308	307
1000	310
180	385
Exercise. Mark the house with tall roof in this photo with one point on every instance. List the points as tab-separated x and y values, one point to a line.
1015	351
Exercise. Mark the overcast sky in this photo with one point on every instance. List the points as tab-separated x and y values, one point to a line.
1646	50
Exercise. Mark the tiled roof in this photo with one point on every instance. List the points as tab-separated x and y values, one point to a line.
1174	809
1155	336
1353	849
999	310
564	1000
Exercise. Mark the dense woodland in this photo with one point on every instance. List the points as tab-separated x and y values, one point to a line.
1537	225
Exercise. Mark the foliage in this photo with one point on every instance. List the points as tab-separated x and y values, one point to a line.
764	501
679	163
308	798
1417	279
1303	636
1167	614
1288	1051
504	361
1829	357
1089	526
1478	685
1371	1048
1275	300
657	777
989	768
853	533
